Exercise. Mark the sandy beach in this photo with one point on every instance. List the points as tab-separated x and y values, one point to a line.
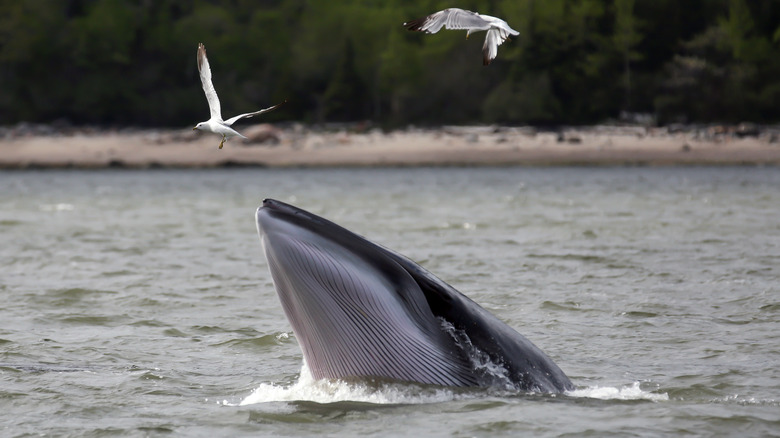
298	146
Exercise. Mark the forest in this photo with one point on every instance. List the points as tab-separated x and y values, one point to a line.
133	63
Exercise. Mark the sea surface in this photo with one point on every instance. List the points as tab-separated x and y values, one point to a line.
139	303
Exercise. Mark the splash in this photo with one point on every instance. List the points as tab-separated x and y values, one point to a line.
333	391
632	392
490	372
306	388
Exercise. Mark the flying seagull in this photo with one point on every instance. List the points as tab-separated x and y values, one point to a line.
215	124
497	29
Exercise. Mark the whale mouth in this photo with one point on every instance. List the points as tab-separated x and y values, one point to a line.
360	310
272	210
272	204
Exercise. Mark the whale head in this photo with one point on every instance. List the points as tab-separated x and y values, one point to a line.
360	310
354	312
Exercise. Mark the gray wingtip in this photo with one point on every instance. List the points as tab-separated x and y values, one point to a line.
486	58
416	25
201	54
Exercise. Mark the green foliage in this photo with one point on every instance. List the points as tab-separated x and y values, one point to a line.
625	38
575	61
345	97
530	101
728	72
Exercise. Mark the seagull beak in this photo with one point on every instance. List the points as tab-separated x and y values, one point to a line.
194	128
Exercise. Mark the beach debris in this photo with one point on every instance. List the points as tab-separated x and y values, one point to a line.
264	133
746	129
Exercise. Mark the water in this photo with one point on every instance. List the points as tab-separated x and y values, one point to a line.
138	303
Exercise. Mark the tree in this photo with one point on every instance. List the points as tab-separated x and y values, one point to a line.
345	97
626	38
575	61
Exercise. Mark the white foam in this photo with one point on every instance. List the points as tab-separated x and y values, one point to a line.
746	400
56	207
306	388
329	391
631	392
480	361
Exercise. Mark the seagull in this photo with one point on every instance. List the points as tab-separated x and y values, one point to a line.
215	124
497	29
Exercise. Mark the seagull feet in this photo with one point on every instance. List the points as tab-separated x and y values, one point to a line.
221	143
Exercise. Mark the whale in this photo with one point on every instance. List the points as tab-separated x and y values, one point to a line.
361	311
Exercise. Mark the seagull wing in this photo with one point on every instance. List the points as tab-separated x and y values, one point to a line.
232	120
451	18
494	38
208	87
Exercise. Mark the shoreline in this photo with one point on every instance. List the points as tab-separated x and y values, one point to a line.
296	146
